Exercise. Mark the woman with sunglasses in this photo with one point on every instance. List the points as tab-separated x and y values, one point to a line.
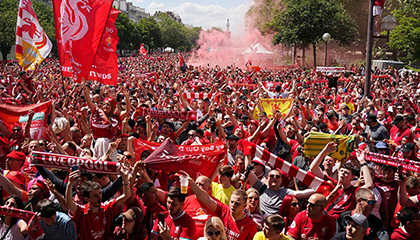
288	210
214	230
253	207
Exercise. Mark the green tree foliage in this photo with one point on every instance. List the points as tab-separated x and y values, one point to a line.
8	18
150	31
406	36
129	35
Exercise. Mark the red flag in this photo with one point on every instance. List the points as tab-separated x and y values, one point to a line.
168	157
181	59
79	26
12	115
143	50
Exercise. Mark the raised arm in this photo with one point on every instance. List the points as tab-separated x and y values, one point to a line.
314	167
69	192
90	104
124	171
365	169
201	194
9	186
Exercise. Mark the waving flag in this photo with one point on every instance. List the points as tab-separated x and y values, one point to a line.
32	44
143	50
79	27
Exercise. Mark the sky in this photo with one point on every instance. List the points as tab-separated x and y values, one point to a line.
206	14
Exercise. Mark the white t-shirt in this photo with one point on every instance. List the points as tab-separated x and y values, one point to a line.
14	233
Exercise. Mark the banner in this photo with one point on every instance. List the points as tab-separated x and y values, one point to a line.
243	85
140	146
143	50
32	44
271	85
282	105
197	95
33	226
170	158
316	141
12	115
330	69
79	26
305	177
53	160
141	112
408	165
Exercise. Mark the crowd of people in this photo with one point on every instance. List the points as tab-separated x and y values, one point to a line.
244	198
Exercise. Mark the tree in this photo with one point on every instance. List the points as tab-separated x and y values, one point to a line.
128	34
8	19
150	31
406	36
303	22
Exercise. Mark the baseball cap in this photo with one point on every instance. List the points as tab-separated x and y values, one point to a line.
371	118
15	176
244	118
133	214
233	137
17	155
397	119
408	147
254	122
258	161
381	145
359	219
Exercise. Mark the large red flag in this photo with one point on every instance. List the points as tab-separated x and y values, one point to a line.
79	26
170	158
12	115
143	50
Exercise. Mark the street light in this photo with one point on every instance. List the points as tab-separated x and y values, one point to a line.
388	23
326	37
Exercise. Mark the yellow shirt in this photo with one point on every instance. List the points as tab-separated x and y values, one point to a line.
220	193
260	236
351	107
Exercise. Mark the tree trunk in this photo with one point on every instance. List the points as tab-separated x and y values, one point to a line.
314	46
4	55
303	57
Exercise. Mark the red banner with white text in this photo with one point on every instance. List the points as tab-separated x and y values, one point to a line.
79	26
195	161
52	160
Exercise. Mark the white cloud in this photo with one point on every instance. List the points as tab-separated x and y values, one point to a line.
206	16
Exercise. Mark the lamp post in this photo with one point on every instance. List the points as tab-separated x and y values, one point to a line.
388	23
326	37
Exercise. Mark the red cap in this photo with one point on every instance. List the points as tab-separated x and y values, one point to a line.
16	176
17	155
174	177
123	135
44	188
254	122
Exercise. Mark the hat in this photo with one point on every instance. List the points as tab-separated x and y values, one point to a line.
244	118
233	137
254	122
258	160
133	214
16	176
359	219
17	155
408	147
381	145
112	101
174	177
123	135
371	118
397	119
44	188
345	106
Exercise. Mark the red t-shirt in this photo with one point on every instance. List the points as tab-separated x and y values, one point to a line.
391	192
94	225
346	203
243	229
397	135
181	227
102	127
400	234
303	227
199	212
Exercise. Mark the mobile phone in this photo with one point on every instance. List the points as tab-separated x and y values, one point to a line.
400	172
161	218
74	168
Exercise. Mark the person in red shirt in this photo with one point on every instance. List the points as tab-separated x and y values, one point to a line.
178	224
93	220
389	185
238	226
400	130
199	212
313	222
410	220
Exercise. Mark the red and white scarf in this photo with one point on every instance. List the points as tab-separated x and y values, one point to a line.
307	178
141	112
393	161
34	228
190	95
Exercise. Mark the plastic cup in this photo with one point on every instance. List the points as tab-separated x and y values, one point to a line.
184	184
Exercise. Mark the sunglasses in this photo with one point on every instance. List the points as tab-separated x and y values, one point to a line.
295	204
314	205
127	156
16	130
369	202
275	176
216	233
